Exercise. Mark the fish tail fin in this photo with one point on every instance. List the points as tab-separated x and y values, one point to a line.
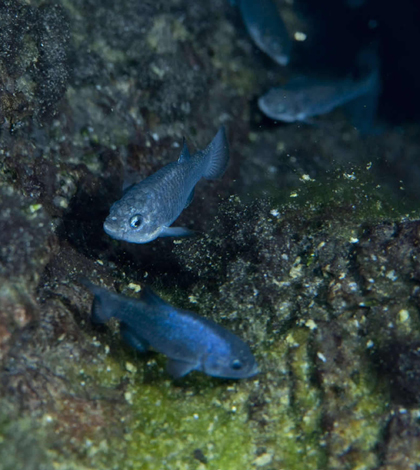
216	156
101	311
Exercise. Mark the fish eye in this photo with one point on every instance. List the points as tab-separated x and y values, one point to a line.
136	221
236	364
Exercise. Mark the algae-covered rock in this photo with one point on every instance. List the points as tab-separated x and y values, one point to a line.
26	243
273	274
34	60
288	275
312	260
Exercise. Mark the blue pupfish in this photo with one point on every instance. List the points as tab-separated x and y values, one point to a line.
190	342
147	209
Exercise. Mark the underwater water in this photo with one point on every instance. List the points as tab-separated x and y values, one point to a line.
302	262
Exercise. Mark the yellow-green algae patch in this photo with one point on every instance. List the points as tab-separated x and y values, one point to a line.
167	423
172	424
291	430
359	421
275	420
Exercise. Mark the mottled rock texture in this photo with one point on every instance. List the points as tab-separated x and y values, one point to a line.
307	249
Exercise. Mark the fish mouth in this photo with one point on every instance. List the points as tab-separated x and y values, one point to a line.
115	232
254	371
282	59
265	108
112	230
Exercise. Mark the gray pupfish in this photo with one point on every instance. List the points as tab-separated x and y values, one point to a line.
301	99
190	342
147	209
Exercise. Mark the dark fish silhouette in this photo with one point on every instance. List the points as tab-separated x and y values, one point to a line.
266	28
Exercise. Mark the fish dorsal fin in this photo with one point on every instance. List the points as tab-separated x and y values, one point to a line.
185	154
150	298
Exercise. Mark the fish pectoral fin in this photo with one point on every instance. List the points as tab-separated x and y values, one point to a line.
178	369
176	232
190	198
132	340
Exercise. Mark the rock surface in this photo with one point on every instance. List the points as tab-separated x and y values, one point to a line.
306	250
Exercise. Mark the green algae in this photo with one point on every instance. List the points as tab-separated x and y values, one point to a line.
119	409
167	423
170	426
292	434
164	423
276	420
22	444
354	189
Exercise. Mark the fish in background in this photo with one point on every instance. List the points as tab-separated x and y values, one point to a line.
190	342
266	27
147	209
303	98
